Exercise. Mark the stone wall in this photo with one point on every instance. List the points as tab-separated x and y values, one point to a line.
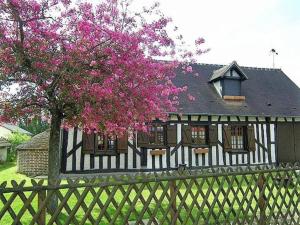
32	162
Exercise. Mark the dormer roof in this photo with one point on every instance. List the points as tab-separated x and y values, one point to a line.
223	71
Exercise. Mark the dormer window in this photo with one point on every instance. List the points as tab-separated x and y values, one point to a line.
228	82
231	87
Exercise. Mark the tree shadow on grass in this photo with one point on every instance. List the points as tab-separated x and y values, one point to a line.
7	165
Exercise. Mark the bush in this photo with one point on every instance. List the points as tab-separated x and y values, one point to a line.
15	139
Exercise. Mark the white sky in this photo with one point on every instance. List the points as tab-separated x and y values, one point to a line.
241	30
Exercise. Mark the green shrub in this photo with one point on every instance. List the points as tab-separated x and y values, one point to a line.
15	139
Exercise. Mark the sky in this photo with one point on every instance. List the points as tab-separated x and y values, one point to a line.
241	30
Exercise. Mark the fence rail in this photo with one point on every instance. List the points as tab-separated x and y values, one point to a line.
247	195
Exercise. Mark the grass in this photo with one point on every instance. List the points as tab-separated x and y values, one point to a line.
8	172
235	206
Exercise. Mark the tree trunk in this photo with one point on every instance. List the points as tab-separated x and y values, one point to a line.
54	157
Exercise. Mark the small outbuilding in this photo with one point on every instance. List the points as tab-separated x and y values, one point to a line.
7	129
32	156
4	146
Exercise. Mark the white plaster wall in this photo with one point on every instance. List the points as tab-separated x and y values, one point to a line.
235	74
218	87
219	157
3	154
69	148
78	152
5	133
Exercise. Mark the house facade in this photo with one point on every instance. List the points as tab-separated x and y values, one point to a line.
6	130
240	116
4	146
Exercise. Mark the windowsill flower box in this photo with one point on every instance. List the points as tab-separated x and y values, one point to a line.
158	152
200	150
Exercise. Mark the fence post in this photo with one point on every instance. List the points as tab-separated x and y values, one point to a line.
174	212
261	199
41	199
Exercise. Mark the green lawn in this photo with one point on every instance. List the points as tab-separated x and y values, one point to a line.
230	204
8	172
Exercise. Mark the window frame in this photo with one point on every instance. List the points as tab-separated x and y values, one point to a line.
225	86
243	127
206	134
106	150
157	143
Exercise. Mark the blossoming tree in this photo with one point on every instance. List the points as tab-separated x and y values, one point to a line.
100	67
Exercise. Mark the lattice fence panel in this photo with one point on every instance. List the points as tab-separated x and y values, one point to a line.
260	195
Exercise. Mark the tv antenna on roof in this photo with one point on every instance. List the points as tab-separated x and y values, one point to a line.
274	53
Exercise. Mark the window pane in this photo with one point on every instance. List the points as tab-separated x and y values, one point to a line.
111	142
159	129
237	137
198	135
106	143
152	135
100	142
160	135
156	135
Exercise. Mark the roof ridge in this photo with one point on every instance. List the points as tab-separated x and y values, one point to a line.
246	67
261	68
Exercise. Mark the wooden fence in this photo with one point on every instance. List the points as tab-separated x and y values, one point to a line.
260	195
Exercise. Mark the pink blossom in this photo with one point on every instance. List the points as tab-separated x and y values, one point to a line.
199	41
189	69
191	97
94	64
36	7
84	27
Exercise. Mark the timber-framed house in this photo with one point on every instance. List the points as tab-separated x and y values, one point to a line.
240	116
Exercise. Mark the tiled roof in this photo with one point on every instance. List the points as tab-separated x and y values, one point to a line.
268	92
39	141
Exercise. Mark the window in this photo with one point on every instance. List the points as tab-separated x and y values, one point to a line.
232	87
156	135
237	137
106	144
199	135
159	136
101	144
